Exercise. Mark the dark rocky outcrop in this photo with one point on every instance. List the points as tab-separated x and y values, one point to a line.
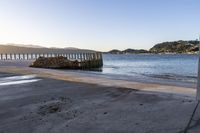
64	63
54	62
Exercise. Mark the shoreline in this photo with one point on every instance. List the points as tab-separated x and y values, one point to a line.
54	106
77	77
153	79
109	71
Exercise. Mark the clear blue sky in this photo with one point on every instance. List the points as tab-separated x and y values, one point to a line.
98	24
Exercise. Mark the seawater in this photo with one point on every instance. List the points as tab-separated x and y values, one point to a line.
176	67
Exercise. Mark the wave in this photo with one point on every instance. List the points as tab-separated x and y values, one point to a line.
172	77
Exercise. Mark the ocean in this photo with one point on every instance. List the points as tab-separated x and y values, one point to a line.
178	68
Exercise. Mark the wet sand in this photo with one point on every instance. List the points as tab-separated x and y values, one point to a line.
76	77
55	106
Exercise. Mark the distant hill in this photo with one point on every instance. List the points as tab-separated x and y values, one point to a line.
185	47
115	51
134	51
23	45
128	51
71	48
37	49
176	47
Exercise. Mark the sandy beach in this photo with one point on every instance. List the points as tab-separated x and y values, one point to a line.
68	102
84	78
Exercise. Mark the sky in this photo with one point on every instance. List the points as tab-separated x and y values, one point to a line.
98	24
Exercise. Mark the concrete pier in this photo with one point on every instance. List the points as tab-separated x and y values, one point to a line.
33	56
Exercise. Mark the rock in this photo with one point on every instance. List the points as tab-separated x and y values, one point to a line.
64	63
55	62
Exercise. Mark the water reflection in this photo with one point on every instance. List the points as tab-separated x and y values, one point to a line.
14	80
